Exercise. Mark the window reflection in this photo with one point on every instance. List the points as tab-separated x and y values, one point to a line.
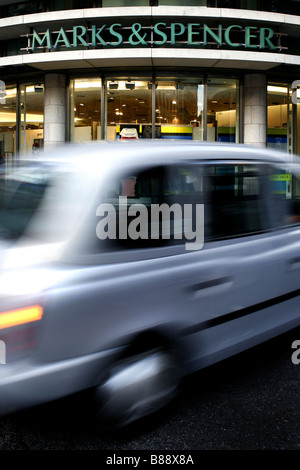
85	109
166	108
235	200
129	106
222	106
8	124
31	118
277	116
179	110
69	4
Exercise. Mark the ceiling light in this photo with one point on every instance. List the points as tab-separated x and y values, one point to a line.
87	83
130	85
113	85
277	89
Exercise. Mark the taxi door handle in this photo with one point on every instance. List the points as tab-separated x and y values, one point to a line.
294	264
220	283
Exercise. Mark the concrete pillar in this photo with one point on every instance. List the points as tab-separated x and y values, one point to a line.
54	110
255	109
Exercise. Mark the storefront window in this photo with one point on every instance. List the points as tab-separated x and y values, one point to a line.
179	110
85	109
196	3
129	109
70	4
222	110
31	118
125	3
24	8
278	117
163	108
8	103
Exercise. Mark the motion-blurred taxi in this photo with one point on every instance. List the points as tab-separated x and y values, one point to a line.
126	266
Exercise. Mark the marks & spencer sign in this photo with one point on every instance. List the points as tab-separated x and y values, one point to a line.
177	34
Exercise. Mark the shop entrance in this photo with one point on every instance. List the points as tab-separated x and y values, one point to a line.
183	108
167	109
222	106
129	109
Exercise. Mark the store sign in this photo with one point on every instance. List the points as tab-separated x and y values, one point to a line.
159	34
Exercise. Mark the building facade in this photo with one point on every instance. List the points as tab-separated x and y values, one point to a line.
215	70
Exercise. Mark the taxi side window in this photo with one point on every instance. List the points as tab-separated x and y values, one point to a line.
284	191
236	200
134	196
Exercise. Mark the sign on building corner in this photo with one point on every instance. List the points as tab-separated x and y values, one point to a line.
296	94
234	36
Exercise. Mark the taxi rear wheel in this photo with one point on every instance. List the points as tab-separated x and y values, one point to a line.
137	386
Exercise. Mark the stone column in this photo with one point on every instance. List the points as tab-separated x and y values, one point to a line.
54	110
255	109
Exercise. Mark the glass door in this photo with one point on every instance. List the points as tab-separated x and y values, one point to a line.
222	110
129	109
8	110
85	109
179	109
31	126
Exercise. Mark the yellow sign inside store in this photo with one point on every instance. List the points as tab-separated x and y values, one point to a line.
285	177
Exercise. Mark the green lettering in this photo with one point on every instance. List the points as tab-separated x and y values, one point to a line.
79	36
96	36
160	33
248	37
217	38
227	36
62	38
192	33
136	38
173	31
116	34
266	39
36	39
